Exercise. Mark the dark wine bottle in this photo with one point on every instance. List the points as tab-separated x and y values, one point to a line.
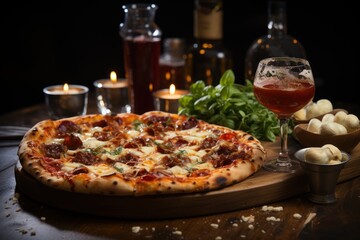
207	58
276	43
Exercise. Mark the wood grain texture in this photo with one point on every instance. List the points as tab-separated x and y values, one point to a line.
261	188
24	217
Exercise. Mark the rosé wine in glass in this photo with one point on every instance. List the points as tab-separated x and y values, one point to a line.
285	101
284	85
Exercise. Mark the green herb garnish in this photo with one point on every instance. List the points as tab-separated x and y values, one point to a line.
137	125
100	150
116	151
193	166
181	152
119	169
230	105
95	151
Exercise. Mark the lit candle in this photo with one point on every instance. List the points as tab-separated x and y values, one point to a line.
112	95
167	100
59	90
66	100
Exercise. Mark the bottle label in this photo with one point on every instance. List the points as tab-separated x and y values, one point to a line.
208	25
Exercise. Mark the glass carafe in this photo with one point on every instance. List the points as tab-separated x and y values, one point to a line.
142	46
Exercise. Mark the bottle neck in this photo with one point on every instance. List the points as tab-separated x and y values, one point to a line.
140	17
277	26
139	20
208	21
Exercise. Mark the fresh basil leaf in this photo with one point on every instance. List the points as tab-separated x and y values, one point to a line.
228	78
197	87
232	105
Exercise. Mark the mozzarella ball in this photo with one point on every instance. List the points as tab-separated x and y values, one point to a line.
332	128
312	110
329	117
300	115
314	125
316	155
325	105
332	151
340	117
351	122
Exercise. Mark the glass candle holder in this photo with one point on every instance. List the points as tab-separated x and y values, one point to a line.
112	96
64	101
167	100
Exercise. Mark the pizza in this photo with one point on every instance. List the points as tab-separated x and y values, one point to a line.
136	155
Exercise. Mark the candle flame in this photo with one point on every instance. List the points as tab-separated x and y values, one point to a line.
66	87
113	76
172	89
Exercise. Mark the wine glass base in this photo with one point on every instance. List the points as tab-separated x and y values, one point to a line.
278	166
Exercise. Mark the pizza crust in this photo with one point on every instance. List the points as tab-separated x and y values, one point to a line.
31	158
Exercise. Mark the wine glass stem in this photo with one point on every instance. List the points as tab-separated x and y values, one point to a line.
284	129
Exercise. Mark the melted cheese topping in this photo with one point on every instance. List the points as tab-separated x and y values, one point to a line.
122	168
193	134
101	170
93	143
188	157
70	166
178	171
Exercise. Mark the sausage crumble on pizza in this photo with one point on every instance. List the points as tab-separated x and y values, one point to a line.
137	155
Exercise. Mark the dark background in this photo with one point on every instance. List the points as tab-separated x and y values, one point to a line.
77	42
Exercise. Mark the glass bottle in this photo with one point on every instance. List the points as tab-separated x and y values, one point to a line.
207	58
277	43
172	63
142	46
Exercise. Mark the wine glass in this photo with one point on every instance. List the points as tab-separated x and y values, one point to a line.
284	85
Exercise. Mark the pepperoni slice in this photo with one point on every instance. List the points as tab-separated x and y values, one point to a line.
72	142
66	127
53	150
190	123
85	158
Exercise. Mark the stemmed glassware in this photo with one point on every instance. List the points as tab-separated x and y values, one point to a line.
284	85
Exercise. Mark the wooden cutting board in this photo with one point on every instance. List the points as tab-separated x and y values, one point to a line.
261	188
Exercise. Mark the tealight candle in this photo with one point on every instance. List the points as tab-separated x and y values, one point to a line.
66	100
167	100
112	95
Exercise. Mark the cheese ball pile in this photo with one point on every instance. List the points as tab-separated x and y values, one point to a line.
327	154
330	124
314	109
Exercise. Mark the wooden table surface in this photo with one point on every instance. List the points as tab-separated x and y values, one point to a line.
22	217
